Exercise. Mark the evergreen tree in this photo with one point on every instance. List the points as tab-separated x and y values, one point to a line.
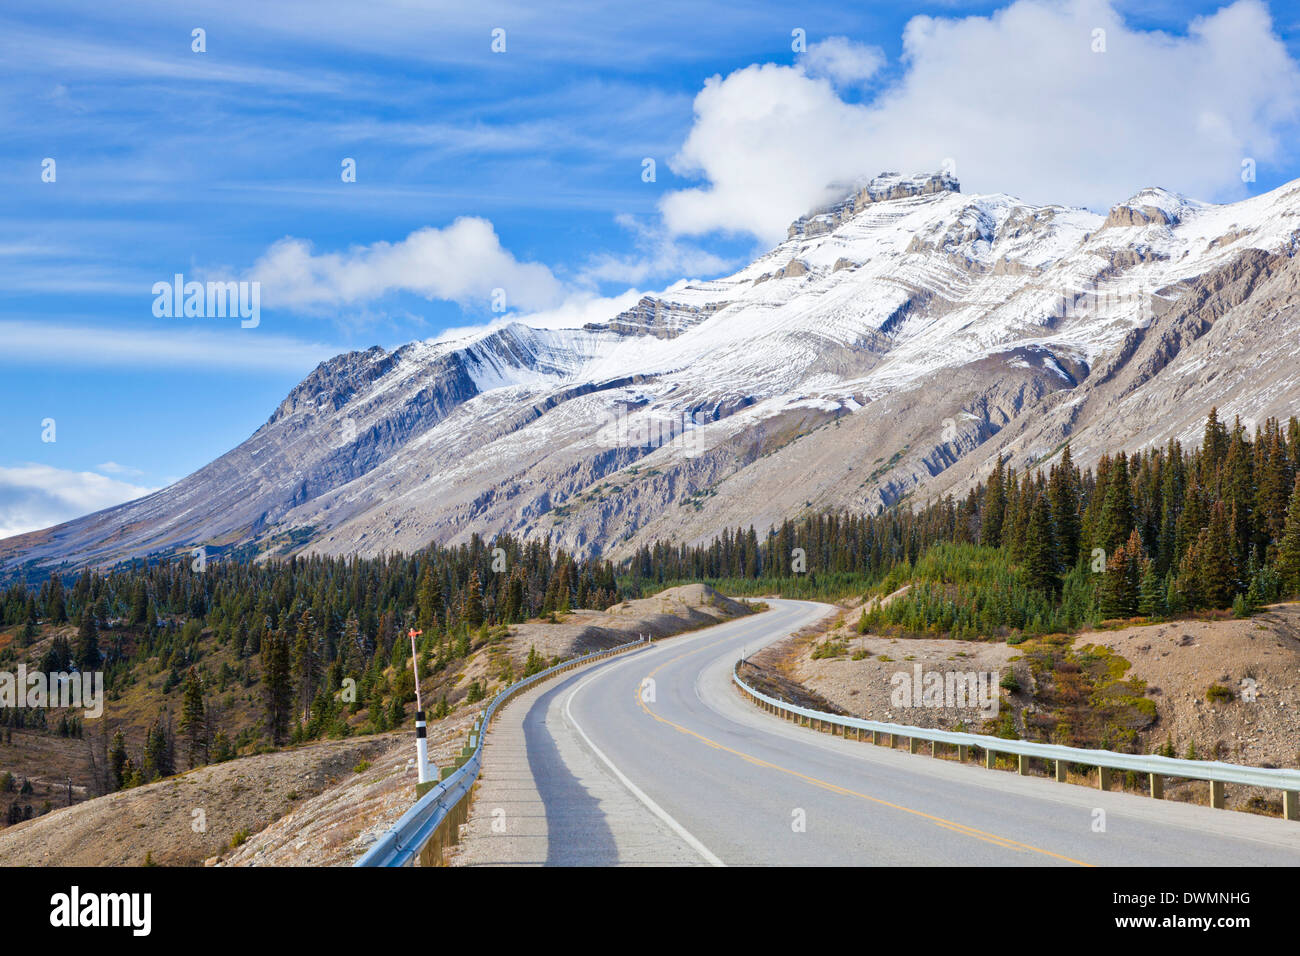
139	605
306	663
1214	447
474	601
1288	549
117	762
995	506
1041	563
429	600
88	656
158	751
194	724
1120	585
56	608
1216	567
1063	490
1115	522
1151	592
1276	480
277	685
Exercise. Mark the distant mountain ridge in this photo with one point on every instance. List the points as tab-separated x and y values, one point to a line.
888	350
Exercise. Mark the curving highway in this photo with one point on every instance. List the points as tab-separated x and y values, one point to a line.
655	758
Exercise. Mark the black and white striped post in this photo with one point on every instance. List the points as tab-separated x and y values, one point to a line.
421	731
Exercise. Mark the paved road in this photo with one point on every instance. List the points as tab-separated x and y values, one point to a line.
603	768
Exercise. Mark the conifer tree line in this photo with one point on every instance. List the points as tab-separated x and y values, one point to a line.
1164	530
1157	532
438	587
298	627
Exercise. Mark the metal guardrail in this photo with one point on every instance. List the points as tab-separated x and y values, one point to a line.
1156	767
429	826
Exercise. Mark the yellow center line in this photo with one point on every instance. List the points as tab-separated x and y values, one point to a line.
960	828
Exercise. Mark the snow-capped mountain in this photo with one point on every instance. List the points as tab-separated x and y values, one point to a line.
893	345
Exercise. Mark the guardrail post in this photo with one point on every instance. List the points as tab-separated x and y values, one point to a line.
1022	765
1157	786
934	748
892	742
913	745
1103	778
1060	771
962	753
875	738
1290	805
1216	794
990	759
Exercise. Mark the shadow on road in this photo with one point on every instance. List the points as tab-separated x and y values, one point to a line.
577	834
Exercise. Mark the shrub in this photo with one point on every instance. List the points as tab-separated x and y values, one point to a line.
829	649
1218	694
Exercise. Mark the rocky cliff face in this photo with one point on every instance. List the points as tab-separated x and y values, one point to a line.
886	352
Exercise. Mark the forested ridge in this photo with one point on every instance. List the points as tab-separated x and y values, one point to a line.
1054	547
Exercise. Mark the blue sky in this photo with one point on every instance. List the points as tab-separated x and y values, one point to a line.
519	170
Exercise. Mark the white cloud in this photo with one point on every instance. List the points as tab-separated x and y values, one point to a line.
581	308
463	262
37	496
1017	100
113	468
574	312
27	341
842	61
658	255
769	140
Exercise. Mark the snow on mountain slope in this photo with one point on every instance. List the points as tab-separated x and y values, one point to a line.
899	332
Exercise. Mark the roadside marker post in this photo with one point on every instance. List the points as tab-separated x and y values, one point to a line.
421	731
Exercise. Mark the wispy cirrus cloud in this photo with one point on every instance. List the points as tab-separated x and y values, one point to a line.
40	342
113	468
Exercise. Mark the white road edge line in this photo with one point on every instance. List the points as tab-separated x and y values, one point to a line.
708	855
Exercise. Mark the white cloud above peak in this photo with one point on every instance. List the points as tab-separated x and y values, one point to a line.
842	61
1031	100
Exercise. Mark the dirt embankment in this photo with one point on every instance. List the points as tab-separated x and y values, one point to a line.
321	804
857	673
1219	688
1255	718
670	612
673	611
185	819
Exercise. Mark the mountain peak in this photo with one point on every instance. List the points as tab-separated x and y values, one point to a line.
1153	205
857	195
